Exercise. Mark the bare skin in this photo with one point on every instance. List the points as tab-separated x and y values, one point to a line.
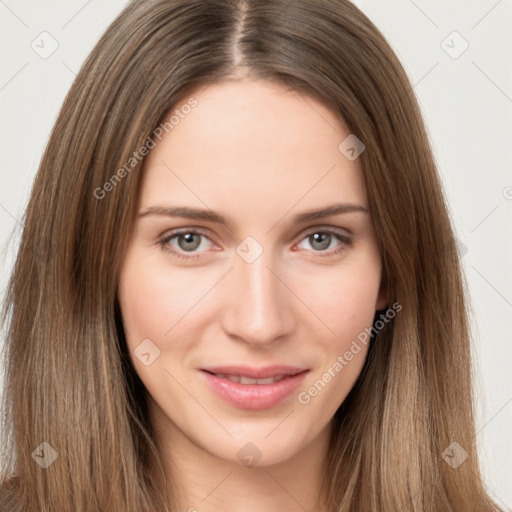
258	155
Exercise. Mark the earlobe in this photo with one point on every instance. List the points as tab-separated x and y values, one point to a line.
382	299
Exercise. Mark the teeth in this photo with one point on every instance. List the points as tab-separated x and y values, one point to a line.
268	380
249	380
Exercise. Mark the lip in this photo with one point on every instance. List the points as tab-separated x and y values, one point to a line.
255	373
253	396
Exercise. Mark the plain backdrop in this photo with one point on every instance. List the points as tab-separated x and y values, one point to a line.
458	57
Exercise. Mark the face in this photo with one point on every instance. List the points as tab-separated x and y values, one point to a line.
245	314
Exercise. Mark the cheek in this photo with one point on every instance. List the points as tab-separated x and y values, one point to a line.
346	300
153	299
142	303
152	303
347	306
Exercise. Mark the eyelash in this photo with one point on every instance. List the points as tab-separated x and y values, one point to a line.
164	241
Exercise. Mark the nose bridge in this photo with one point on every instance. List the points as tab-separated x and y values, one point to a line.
259	308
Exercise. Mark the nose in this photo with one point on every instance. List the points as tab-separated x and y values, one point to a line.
259	307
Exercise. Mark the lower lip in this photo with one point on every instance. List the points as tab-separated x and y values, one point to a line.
253	396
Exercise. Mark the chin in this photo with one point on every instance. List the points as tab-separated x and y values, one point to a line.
258	449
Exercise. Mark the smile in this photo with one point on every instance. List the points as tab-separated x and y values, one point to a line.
251	388
242	379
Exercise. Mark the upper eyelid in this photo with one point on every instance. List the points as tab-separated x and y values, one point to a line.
313	229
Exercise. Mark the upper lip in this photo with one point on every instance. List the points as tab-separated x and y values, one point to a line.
255	373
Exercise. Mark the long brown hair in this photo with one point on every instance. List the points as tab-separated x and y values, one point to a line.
68	379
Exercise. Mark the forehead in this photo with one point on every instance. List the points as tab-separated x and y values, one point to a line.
255	143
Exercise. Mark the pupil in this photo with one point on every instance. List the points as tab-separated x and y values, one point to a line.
318	238
189	239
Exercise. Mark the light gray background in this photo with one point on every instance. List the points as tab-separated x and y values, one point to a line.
466	102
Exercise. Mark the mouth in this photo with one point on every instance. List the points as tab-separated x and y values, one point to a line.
253	388
242	379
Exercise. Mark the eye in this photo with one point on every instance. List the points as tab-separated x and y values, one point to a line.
184	244
322	239
186	241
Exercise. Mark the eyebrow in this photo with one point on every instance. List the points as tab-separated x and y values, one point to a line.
211	216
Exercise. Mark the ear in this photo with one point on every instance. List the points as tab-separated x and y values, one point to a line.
382	298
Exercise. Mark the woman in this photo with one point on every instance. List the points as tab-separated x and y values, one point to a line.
226	361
